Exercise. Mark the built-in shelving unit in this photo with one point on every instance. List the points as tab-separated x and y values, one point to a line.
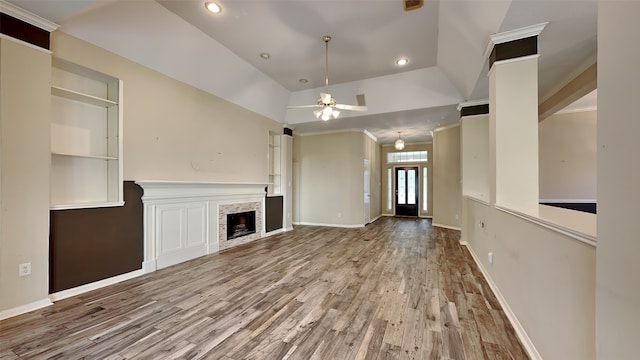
275	168
86	137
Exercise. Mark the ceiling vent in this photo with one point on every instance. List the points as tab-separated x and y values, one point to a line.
412	4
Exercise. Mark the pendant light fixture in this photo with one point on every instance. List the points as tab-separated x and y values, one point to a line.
399	143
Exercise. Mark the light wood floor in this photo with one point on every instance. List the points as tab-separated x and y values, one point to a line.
397	289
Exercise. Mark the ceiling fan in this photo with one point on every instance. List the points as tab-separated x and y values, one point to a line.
326	105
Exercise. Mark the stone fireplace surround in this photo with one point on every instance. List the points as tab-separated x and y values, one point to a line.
186	220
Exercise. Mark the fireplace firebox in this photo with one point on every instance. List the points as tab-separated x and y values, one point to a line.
241	224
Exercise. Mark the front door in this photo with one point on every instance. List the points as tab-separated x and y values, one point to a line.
407	191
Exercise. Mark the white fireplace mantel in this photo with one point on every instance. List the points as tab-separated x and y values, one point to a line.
163	189
182	218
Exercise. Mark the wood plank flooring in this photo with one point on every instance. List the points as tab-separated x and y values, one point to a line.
396	289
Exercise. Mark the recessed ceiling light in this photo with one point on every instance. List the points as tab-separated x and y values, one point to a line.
402	62
213	7
265	55
303	81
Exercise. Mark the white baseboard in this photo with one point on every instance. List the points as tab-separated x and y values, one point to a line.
19	310
446	226
329	225
149	266
522	334
274	232
94	285
375	218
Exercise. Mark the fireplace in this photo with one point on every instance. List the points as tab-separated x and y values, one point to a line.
241	224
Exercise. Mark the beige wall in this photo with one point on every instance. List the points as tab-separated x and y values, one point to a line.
329	178
568	156
618	255
476	179
384	166
24	173
447	187
547	279
173	131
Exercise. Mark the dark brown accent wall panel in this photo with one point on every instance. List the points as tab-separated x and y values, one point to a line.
21	30
288	131
273	216
87	245
474	110
514	49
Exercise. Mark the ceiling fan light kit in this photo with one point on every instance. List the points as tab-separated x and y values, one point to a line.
327	107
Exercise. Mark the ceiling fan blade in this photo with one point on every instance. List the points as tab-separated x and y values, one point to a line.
326	98
304	106
351	107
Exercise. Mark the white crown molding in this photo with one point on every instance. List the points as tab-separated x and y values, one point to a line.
512	35
472	103
27	17
366	132
446	127
328	132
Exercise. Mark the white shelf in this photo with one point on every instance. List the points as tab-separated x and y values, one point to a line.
86	138
99	157
86	205
78	96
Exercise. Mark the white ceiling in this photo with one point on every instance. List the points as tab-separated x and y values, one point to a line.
368	36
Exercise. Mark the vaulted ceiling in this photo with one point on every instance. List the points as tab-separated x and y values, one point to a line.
445	42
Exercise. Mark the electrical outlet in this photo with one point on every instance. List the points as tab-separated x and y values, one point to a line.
24	269
490	258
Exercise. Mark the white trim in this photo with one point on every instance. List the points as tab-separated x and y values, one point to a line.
450	126
446	226
274	232
24	15
64	294
149	266
426	216
329	132
577	201
376	218
472	103
582	237
408	143
477	199
23	309
329	225
87	205
576	110
517	326
512	35
289	228
24	43
366	132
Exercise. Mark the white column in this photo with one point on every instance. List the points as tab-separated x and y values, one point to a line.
513	118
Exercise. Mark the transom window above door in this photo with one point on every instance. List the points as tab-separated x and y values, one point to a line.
407	157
